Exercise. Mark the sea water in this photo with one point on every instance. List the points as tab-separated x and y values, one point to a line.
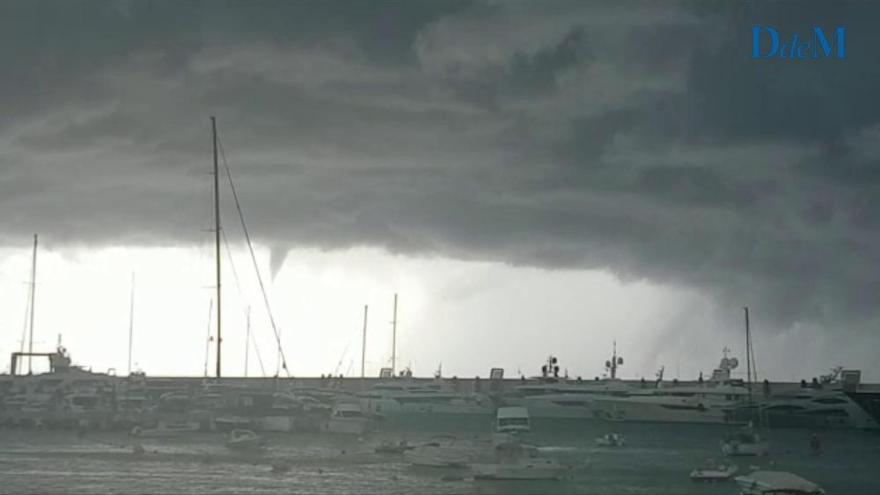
656	460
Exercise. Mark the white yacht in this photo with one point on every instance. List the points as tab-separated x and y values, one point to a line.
408	397
693	404
550	396
712	402
814	408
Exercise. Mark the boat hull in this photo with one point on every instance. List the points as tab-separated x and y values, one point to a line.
531	470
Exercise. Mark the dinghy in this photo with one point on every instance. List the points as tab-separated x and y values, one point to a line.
713	471
744	443
611	440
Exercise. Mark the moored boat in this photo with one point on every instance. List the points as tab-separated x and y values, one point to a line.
713	471
167	429
515	461
777	482
440	452
611	440
347	418
245	440
745	442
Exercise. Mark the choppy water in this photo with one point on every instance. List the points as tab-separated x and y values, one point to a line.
657	460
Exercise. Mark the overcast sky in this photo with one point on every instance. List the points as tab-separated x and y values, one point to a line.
530	177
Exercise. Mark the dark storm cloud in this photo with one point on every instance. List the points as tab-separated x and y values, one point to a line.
639	137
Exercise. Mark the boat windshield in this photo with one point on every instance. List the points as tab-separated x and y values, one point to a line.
504	422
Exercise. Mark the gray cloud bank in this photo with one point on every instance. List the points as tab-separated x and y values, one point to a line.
637	137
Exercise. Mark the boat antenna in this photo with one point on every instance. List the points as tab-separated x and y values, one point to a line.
130	322
364	343
614	363
33	298
394	339
217	241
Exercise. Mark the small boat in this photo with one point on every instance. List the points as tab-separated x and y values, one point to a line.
526	469
744	443
611	440
245	440
347	418
713	471
393	448
167	429
439	452
519	462
511	424
777	482
229	423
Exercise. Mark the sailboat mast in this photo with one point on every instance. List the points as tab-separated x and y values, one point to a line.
364	344
748	353
247	342
130	322
208	337
217	237
394	339
33	298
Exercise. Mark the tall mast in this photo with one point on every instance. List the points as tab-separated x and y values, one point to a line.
217	237
364	344
247	342
748	353
208	337
33	298
394	339
130	322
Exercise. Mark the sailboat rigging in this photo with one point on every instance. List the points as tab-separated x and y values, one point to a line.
218	153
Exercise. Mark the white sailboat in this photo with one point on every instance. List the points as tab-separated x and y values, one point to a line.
747	441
